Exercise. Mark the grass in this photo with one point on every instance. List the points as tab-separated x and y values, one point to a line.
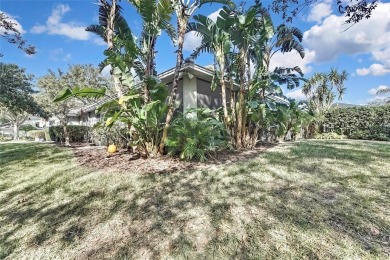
303	200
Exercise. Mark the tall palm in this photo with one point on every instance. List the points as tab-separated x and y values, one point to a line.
286	39
251	28
156	16
184	10
215	40
122	50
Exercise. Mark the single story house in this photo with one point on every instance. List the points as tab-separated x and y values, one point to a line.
194	91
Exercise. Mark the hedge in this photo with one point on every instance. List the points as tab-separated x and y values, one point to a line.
366	122
77	133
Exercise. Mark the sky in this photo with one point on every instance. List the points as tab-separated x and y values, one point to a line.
57	30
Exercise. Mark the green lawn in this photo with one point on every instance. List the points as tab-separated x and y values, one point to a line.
303	200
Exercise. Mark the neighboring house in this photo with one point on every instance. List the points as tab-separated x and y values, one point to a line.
36	121
194	91
7	129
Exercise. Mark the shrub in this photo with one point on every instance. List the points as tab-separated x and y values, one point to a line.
34	134
371	123
196	138
27	128
5	138
367	135
117	134
330	135
77	133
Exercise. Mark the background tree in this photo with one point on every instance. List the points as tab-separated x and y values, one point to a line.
10	33
77	76
322	89
16	100
353	10
384	91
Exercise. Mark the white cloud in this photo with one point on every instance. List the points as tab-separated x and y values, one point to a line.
214	16
55	26
377	100
99	41
382	55
59	55
191	41
320	11
330	38
13	20
375	70
374	91
296	94
292	59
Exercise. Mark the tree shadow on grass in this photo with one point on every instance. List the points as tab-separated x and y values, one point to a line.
240	211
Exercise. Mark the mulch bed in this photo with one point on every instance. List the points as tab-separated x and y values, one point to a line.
95	157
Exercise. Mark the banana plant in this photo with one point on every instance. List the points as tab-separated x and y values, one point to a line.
251	28
156	16
145	118
122	51
184	10
216	40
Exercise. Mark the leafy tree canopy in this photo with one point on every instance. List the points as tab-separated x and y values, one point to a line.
77	76
9	31
353	10
16	90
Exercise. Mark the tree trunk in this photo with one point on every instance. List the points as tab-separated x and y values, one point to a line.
110	25
241	100
66	135
248	72
17	120
16	130
149	68
117	85
110	43
182	26
223	90
233	109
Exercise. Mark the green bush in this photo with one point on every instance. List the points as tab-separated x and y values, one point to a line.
117	134
367	122
5	138
27	128
367	135
196	138
77	133
330	135
40	134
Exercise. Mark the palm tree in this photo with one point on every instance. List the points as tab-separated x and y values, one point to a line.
122	50
216	40
322	89
286	39
184	10
251	28
156	16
